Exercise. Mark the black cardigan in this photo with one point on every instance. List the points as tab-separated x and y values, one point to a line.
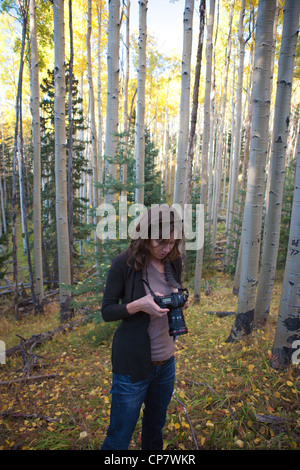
131	352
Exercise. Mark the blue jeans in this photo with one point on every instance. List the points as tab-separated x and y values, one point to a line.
127	400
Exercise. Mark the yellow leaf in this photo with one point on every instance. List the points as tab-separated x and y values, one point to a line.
209	424
239	443
289	383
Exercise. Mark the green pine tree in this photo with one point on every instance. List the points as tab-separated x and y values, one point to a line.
80	165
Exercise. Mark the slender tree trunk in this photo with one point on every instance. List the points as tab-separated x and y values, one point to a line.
182	149
277	163
220	139
205	142
237	130
99	102
192	134
60	160
2	217
16	150
140	108
36	132
112	102
126	116
237	273
70	149
256	175
95	159
23	204
287	336
194	112
92	105
230	186
4	177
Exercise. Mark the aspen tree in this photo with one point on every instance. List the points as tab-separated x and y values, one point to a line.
237	137
192	134
60	160
99	100
205	140
256	172
287	336
17	149
182	149
112	102
194	112
36	131
70	147
95	159
92	105
126	106
278	160
220	139
140	108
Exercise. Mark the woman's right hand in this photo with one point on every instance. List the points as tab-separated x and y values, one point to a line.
148	305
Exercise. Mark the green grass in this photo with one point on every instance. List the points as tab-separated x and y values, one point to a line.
221	389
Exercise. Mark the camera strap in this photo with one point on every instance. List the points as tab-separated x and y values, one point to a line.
169	277
148	284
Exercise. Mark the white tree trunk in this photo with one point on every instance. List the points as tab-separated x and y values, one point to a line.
140	108
205	141
237	138
256	172
287	337
60	159
112	103
126	105
278	158
182	149
92	105
36	133
220	134
99	102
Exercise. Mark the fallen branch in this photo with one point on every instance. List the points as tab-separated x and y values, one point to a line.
18	414
30	378
30	360
42	337
202	384
221	313
187	417
270	419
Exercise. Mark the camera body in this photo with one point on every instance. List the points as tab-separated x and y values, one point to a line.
174	302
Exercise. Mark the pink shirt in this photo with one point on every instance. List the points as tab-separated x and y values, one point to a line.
162	344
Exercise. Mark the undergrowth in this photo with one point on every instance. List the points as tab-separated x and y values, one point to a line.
227	396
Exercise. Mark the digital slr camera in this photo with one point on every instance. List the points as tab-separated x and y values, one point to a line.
174	302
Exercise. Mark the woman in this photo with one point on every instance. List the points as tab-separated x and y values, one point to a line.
143	351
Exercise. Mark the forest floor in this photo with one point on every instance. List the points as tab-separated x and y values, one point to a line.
227	396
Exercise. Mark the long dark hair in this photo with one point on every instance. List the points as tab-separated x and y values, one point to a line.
159	222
